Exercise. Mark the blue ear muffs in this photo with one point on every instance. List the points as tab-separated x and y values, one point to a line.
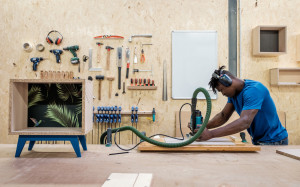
223	79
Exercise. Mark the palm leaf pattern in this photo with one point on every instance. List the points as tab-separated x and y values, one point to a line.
62	115
78	108
66	91
34	96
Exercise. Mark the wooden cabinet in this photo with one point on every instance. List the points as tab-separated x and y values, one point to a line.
22	101
269	40
285	76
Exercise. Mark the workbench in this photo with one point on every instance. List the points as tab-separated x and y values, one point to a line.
56	164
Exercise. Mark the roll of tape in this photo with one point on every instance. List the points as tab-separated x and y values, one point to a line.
27	47
40	47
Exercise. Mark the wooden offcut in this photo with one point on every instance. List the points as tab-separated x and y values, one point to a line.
292	153
128	180
217	147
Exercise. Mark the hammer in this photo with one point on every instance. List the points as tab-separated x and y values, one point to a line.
110	82
100	78
108	48
99	51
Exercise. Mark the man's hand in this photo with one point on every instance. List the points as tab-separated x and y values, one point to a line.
206	135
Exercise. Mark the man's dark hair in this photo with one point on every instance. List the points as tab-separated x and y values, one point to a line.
213	83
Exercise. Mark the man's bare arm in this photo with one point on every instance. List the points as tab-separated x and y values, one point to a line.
236	126
222	117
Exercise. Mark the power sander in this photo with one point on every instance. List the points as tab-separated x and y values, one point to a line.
73	49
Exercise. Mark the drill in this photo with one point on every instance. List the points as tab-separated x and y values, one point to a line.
73	49
36	61
57	53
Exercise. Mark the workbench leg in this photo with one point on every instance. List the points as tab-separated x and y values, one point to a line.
31	144
83	142
75	144
20	146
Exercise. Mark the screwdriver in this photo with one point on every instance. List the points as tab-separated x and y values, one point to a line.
139	70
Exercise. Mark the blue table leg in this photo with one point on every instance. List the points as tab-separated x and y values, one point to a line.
20	146
31	144
83	142
75	144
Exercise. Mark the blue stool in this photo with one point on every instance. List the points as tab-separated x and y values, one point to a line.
74	139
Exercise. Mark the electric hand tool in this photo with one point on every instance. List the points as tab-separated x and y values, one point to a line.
128	62
57	53
73	49
36	61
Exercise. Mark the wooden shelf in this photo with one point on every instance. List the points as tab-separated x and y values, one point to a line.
142	87
19	108
285	76
269	40
49	131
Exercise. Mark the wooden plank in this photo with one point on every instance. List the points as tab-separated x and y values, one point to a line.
214	141
292	153
121	179
143	180
246	147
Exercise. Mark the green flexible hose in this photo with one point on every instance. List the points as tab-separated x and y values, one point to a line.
170	145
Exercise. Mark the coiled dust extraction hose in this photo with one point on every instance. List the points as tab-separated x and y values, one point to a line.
170	145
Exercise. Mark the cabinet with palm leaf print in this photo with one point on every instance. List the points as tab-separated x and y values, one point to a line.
50	107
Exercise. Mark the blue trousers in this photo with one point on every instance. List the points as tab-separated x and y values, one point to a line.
281	142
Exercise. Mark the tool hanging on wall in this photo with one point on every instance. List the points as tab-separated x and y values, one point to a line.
119	66
27	47
91	62
75	59
99	52
98	121
58	40
123	88
140	35
40	47
36	61
128	61
110	79
143	58
108	48
100	78
139	70
119	121
57	53
101	118
132	121
109	37
136	121
135	57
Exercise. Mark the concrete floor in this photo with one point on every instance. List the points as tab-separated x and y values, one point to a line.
49	165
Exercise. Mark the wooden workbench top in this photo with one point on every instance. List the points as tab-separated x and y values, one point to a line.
58	165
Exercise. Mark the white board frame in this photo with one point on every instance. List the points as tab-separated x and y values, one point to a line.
194	59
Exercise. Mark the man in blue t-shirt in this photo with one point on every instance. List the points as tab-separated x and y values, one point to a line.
252	101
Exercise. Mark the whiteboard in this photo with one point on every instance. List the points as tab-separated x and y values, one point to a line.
194	59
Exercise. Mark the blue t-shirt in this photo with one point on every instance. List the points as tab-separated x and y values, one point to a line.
266	126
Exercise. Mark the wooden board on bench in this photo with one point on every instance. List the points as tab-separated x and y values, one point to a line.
216	145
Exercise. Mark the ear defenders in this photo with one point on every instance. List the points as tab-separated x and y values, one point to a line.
223	78
58	39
